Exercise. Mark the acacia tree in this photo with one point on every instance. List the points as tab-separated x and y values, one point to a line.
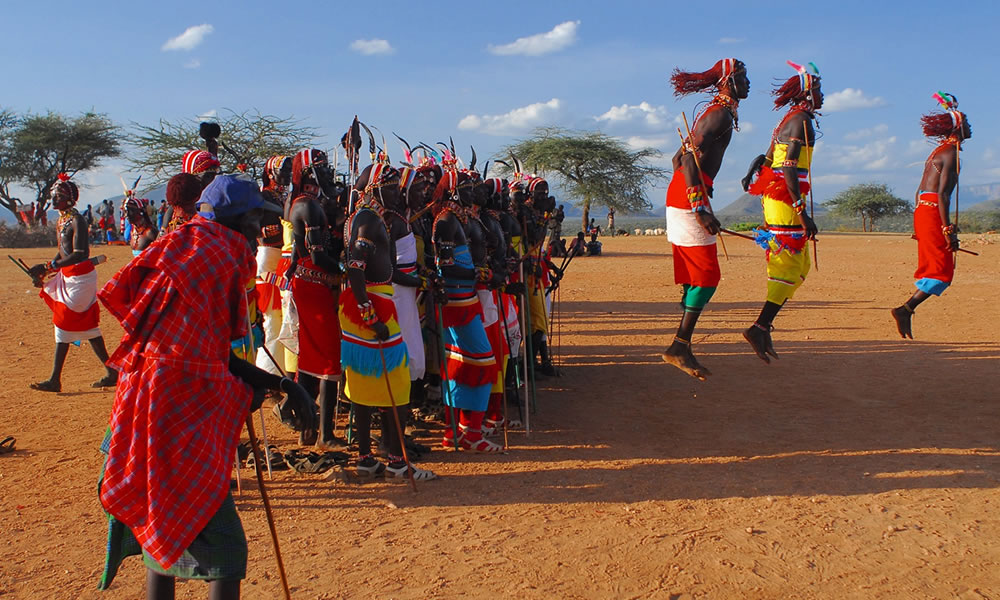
251	138
35	149
870	201
593	168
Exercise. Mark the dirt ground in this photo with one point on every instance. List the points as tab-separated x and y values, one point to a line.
858	466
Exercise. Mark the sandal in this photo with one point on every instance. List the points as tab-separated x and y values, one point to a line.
492	426
369	466
7	444
46	386
106	381
398	470
277	459
482	446
312	462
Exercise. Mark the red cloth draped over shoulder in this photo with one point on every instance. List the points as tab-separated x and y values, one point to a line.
178	411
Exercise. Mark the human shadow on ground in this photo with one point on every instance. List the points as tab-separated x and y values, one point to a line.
829	418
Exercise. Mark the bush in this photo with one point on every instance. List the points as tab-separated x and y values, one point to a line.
20	237
745	226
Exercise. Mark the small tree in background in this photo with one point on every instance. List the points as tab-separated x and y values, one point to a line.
35	149
870	201
593	168
251	138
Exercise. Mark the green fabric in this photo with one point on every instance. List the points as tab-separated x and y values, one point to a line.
219	551
697	297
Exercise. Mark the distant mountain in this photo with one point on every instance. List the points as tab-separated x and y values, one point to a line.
747	208
985	197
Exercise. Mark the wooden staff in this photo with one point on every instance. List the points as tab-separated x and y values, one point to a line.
248	350
739	235
267	508
812	213
701	181
958	171
526	336
506	336
395	417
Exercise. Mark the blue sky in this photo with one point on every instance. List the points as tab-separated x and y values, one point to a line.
487	73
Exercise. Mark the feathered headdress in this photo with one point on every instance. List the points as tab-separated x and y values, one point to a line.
67	187
796	86
943	124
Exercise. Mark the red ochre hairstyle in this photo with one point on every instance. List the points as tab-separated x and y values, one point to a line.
941	125
688	83
788	92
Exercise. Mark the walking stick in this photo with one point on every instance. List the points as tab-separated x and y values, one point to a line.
267	508
701	180
812	212
263	430
395	417
739	235
443	368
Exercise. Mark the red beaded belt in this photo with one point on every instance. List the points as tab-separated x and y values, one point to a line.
314	276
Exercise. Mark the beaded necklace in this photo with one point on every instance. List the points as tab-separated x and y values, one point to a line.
66	219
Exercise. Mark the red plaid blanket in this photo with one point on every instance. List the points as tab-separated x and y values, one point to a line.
178	412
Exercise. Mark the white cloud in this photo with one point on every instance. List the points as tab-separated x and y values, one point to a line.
732	40
850	99
652	117
861	134
190	39
989	154
372	47
519	120
746	127
833	179
561	36
638	142
208	115
194	63
875	155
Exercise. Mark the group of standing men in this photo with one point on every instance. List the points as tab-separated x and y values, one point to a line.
418	276
781	177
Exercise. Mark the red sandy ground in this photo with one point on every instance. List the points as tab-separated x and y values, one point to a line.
859	465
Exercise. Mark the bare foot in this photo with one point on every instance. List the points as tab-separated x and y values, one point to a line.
680	356
903	321
333	443
46	386
759	341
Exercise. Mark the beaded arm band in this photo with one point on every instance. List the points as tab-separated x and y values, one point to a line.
696	197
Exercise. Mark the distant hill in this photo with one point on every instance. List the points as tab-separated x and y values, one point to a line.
985	197
747	208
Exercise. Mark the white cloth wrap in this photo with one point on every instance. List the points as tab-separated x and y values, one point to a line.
407	315
77	293
683	229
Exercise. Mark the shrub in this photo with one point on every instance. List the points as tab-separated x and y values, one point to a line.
20	237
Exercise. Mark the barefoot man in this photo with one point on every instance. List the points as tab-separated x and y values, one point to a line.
937	236
691	226
782	186
72	292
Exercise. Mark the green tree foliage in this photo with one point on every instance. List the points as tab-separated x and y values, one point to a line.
593	168
870	201
35	149
251	138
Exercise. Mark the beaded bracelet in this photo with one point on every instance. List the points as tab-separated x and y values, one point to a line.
790	163
799	206
949	229
484	274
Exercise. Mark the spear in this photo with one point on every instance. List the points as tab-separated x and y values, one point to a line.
701	181
812	213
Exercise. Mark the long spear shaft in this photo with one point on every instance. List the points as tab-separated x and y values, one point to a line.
958	171
701	180
812	212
